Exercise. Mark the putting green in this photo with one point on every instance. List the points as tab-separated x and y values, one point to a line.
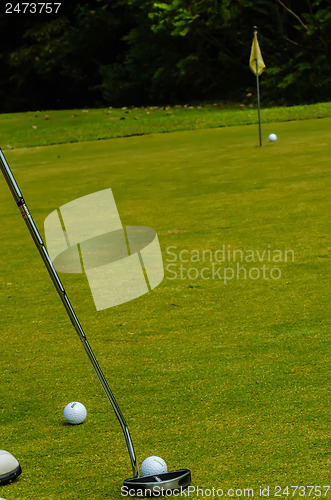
225	377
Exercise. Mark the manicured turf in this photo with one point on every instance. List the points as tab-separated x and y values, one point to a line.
228	379
41	128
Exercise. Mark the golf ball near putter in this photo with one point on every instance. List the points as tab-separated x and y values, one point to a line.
152	466
272	137
10	469
75	413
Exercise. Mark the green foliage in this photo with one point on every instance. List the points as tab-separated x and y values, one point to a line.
200	50
138	51
57	62
304	73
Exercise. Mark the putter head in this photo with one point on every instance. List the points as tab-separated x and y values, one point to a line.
159	484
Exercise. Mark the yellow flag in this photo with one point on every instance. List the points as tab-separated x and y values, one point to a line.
256	56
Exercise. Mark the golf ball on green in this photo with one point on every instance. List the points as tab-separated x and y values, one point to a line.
272	137
75	413
152	466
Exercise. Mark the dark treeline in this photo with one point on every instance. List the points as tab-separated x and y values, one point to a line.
137	52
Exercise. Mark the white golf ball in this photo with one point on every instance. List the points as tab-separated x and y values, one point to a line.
75	413
152	466
272	137
10	469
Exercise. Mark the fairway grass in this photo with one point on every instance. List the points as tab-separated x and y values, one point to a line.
227	378
42	128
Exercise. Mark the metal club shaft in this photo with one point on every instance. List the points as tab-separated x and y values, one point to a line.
18	197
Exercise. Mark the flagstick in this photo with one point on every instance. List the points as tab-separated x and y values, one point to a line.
257	68
258	100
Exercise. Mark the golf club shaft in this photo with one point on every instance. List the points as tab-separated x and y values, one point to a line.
70	311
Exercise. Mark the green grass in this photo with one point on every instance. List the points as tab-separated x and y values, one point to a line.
229	380
56	127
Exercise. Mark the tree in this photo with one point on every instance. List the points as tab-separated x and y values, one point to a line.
295	35
55	62
120	52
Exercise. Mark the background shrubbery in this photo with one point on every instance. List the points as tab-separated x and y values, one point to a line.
125	52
